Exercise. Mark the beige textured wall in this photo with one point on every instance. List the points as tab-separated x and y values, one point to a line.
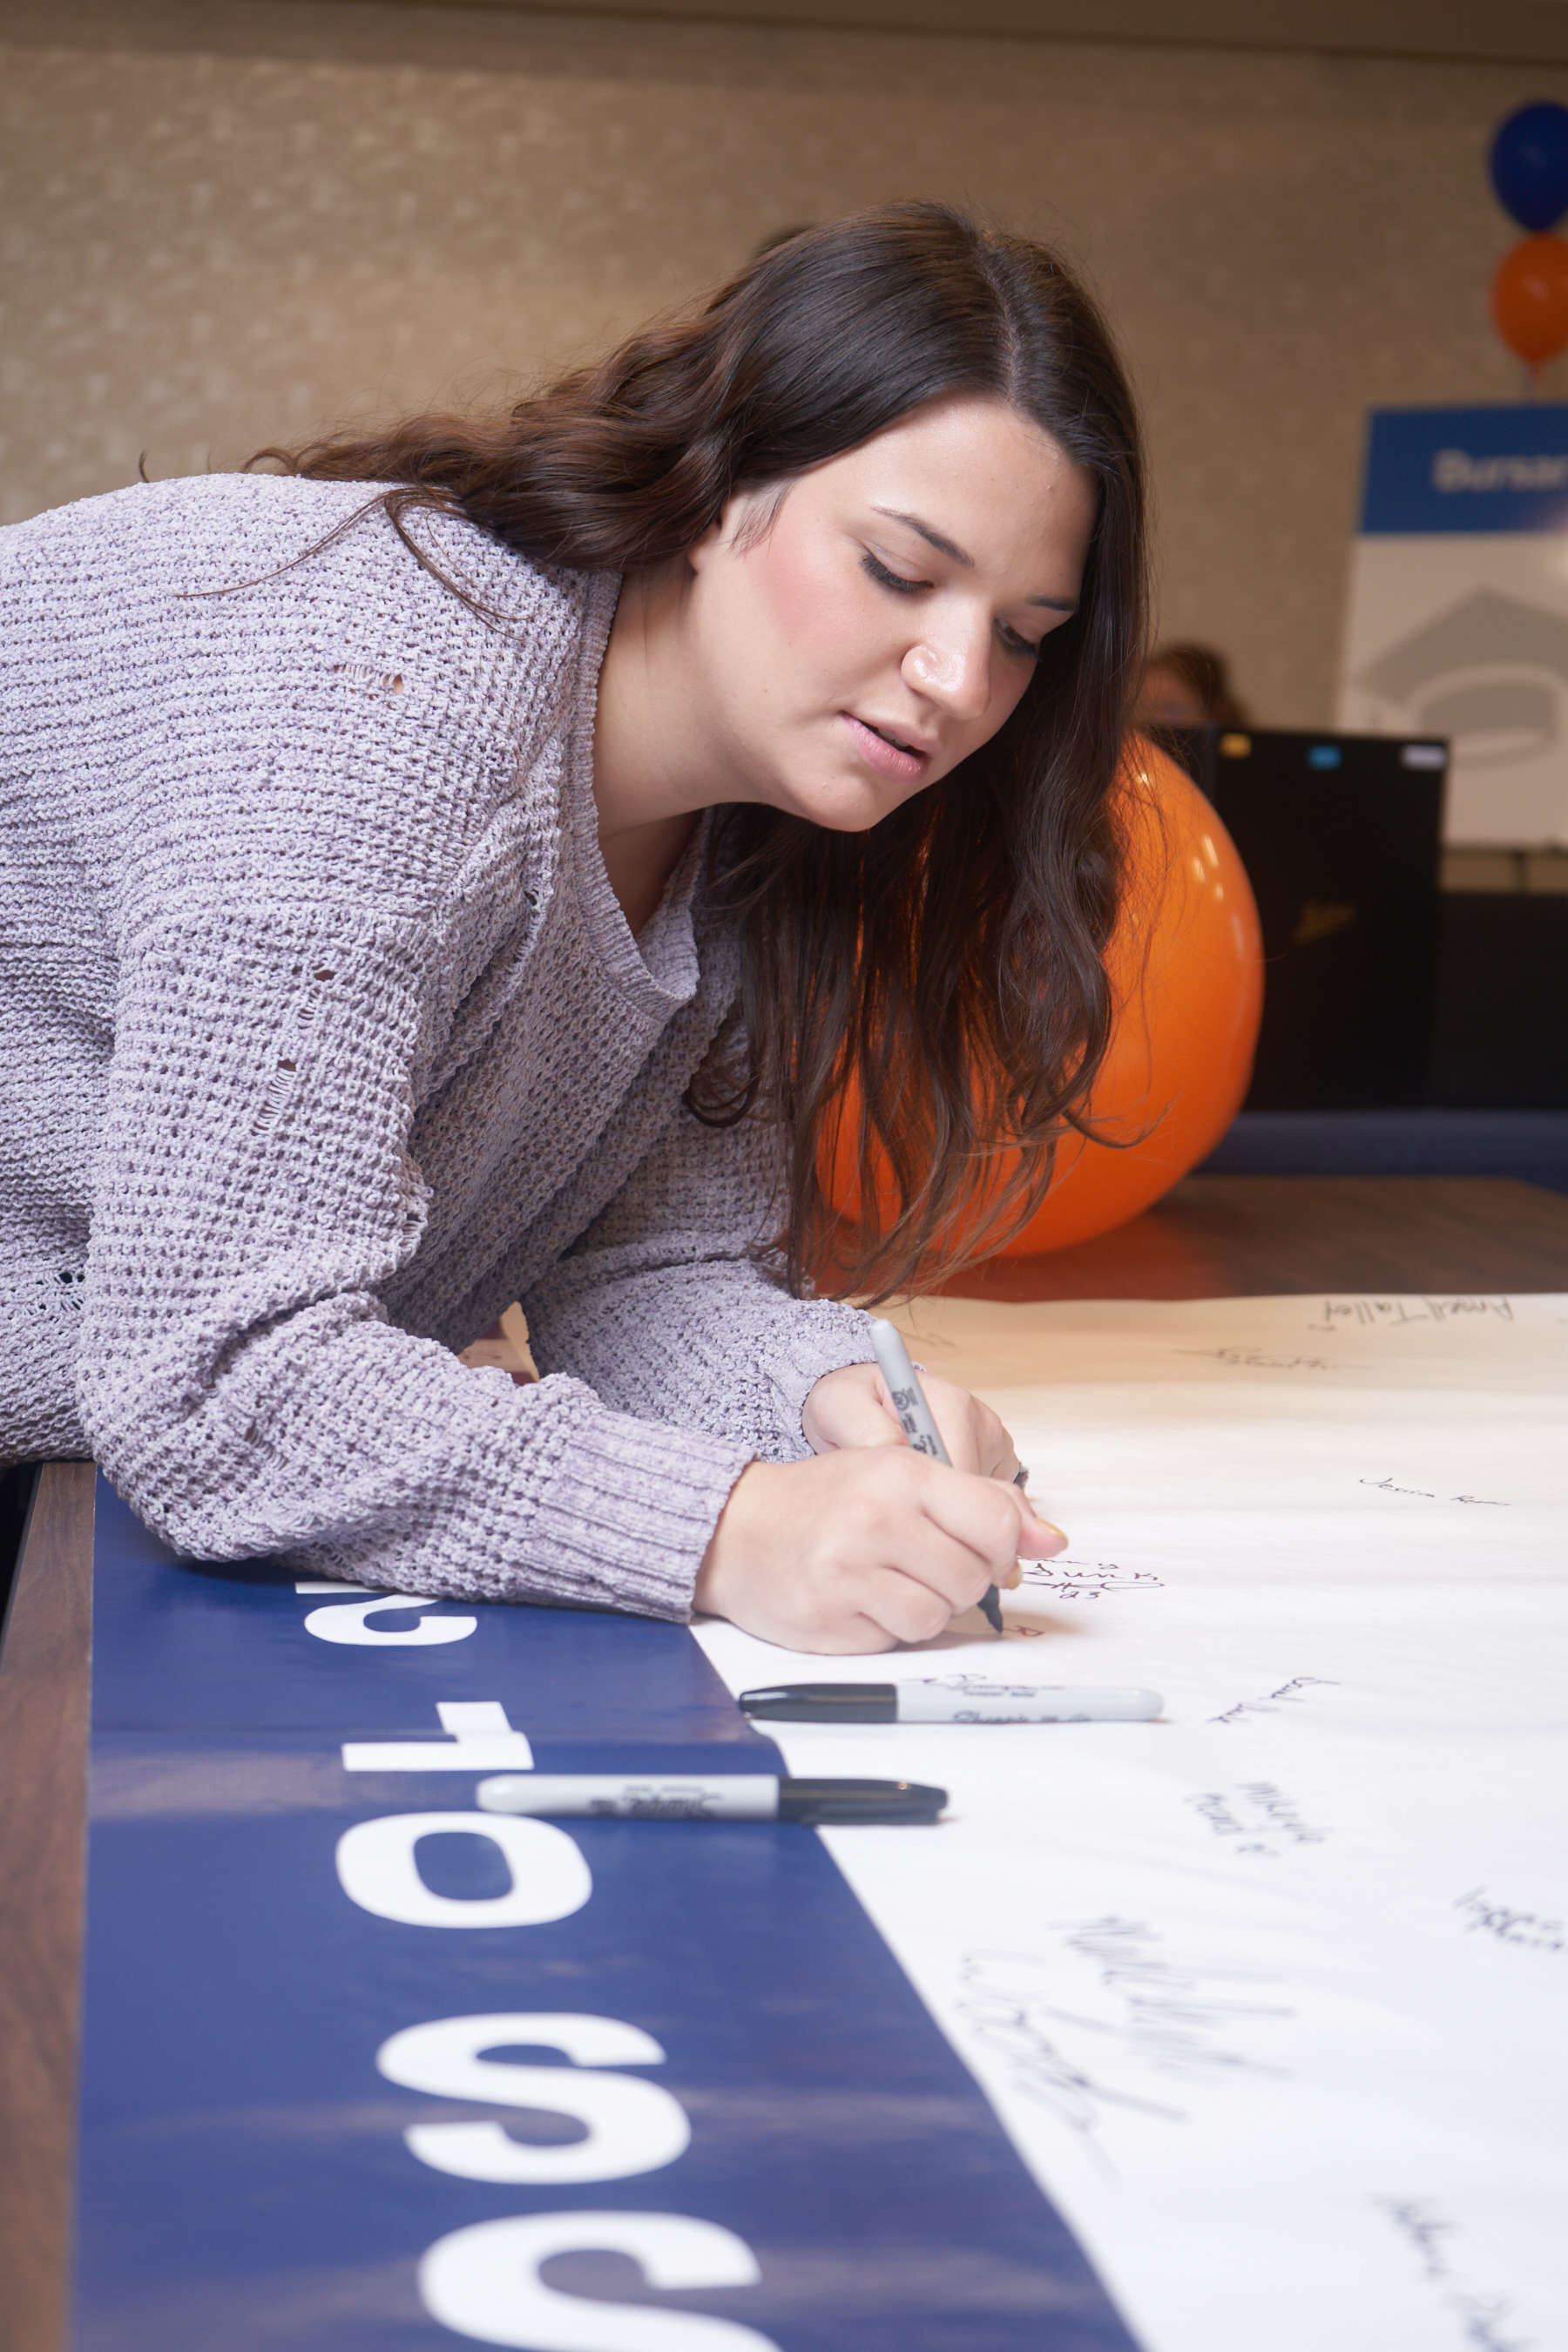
223	222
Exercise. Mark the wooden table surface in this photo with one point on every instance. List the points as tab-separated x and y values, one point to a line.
1213	1236
1259	1236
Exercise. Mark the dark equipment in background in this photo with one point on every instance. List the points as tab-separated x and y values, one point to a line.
1501	1041
1340	836
1382	992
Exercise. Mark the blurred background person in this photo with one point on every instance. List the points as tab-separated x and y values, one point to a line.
1188	686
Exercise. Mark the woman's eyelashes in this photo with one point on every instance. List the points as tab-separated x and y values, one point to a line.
886	578
1026	647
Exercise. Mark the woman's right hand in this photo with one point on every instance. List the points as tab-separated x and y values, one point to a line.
862	1549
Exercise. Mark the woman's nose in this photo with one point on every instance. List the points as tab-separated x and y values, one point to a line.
951	668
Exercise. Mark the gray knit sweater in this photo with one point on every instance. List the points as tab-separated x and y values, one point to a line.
324	1037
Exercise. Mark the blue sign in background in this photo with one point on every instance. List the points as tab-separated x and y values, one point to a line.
245	2180
1450	471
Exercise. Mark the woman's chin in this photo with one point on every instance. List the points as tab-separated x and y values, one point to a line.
845	804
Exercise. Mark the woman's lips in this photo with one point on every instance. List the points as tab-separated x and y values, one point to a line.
900	767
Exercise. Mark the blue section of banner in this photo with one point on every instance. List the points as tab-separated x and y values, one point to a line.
212	1646
245	2180
1456	471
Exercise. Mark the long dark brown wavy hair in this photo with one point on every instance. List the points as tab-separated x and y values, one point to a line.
931	992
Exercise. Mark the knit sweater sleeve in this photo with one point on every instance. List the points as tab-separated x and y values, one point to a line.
668	1307
238	1378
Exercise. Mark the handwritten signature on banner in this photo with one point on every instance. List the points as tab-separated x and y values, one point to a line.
1526	1929
1384	1314
1421	2221
1288	1694
1426	1493
1083	1579
1254	1360
1102	2023
1252	1814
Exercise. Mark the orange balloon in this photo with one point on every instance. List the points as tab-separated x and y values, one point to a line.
1185	967
1530	299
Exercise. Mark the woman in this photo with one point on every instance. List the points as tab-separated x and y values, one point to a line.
470	866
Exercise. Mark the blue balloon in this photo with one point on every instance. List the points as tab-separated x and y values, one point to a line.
1529	164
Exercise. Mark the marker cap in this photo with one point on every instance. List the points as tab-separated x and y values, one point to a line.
824	1703
823	1802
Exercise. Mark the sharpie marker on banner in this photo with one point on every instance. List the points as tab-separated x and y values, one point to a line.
918	1423
706	1796
956	1699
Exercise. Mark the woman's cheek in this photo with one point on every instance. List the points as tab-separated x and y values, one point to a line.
1009	683
813	604
1007	692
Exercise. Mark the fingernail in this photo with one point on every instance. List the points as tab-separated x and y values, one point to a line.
1038	1551
1011	1583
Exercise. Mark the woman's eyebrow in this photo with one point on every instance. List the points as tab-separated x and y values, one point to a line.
949	548
933	537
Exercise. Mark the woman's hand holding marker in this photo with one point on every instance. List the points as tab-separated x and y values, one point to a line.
852	1407
864	1548
873	1543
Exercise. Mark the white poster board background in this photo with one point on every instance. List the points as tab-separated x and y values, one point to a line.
1270	1993
1457	623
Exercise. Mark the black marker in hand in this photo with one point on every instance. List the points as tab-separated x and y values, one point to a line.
919	1422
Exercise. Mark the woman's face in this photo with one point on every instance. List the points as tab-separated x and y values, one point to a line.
885	622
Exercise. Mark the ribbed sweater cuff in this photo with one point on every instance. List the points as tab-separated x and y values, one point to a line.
627	1514
835	1335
